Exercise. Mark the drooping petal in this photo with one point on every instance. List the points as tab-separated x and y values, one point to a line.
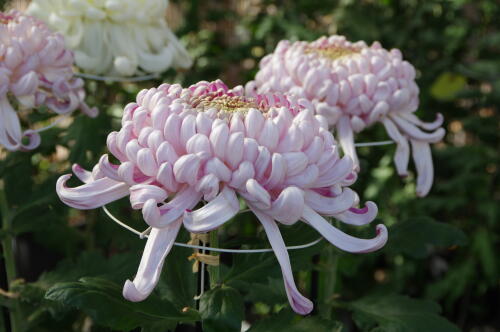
330	206
214	214
91	195
10	128
342	240
402	155
425	125
422	158
359	217
298	302
417	134
158	246
346	139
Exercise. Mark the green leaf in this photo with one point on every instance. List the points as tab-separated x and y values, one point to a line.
483	245
447	86
221	309
396	313
415	237
103	301
291	322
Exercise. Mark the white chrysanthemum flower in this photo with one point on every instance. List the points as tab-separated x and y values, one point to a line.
115	36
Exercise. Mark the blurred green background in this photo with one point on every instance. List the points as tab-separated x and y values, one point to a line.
439	271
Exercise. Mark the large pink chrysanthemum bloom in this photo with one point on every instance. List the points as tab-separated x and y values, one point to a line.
354	85
35	70
178	147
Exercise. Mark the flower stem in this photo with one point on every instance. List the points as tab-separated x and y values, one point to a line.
214	271
330	275
8	256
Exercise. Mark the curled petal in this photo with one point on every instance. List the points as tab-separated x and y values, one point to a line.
166	152
199	145
402	154
422	158
82	174
90	195
306	179
108	169
112	143
330	206
278	171
298	302
289	206
244	172
425	125
33	138
296	162
337	173
186	169
417	134
221	209
258	193
262	162
10	128
219	169
358	217
162	216
341	239
219	138
234	150
140	193
158	246
253	123
209	186
166	177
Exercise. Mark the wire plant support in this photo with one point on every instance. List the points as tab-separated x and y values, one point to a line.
118	78
144	234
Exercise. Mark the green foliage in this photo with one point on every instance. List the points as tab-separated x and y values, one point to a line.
395	313
286	320
221	309
102	300
417	237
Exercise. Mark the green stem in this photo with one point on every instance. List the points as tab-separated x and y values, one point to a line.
214	271
8	256
331	261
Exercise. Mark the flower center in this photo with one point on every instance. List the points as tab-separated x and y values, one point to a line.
333	52
226	103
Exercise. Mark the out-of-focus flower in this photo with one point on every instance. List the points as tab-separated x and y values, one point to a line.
179	146
354	85
35	70
115	36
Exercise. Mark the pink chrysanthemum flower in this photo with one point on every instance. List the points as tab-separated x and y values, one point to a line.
178	147
35	70
354	85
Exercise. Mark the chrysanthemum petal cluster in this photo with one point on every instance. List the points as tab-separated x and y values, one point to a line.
115	37
354	86
179	147
35	70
